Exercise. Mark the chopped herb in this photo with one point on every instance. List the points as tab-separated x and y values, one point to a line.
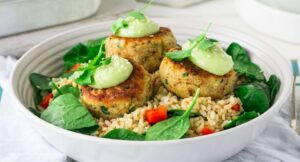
132	109
105	110
166	81
185	74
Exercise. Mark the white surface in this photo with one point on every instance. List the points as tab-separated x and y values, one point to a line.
215	147
272	21
17	45
24	15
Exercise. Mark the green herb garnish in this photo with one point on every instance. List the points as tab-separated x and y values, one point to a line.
200	42
121	23
83	76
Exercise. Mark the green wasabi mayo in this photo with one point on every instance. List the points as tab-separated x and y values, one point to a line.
112	74
214	60
136	28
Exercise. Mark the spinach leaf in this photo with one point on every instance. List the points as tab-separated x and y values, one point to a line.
40	82
39	95
237	53
245	117
274	85
67	112
179	55
68	89
35	111
124	134
88	130
178	112
93	46
174	127
82	53
254	97
77	54
249	69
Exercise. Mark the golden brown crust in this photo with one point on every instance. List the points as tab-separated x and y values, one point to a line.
183	78
147	51
119	99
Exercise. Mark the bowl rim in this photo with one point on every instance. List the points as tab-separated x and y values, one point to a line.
30	116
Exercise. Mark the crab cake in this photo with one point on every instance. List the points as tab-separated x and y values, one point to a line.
147	51
116	101
183	78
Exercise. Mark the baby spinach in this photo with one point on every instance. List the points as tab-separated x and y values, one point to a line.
82	53
124	134
174	127
254	96
40	82
67	89
237	52
243	64
88	130
178	112
93	46
35	111
245	117
274	85
249	69
67	112
77	54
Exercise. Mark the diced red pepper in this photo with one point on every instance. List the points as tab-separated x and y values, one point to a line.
45	102
156	115
236	107
206	131
73	68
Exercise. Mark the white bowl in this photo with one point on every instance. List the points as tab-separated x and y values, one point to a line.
280	22
46	58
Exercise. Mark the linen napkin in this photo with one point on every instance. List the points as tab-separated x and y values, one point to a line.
18	142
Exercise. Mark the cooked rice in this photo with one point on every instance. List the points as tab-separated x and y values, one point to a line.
214	114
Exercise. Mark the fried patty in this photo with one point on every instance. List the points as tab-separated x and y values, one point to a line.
147	51
116	101
183	78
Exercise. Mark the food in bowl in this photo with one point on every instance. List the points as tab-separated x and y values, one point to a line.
198	89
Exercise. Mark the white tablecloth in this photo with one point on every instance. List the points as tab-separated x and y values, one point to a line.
18	142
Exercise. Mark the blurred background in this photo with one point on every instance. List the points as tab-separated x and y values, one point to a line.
27	22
